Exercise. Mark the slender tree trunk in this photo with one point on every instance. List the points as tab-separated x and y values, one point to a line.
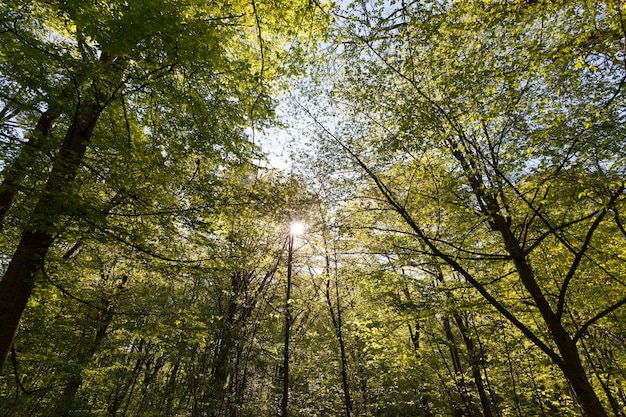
125	389
414	334
424	398
239	309
530	373
365	390
475	357
338	326
170	390
458	369
284	406
337	319
239	381
221	372
512	372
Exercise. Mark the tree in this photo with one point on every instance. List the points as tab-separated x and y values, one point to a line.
491	131
181	80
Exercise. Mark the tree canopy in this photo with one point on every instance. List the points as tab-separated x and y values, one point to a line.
457	165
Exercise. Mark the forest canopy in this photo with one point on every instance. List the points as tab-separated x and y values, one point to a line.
447	239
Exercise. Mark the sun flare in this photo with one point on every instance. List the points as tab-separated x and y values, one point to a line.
296	228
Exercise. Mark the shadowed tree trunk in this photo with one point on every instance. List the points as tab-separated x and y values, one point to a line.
458	369
284	405
335	315
222	393
27	264
66	402
337	322
424	397
475	358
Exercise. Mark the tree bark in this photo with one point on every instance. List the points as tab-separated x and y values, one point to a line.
424	397
25	268
571	364
222	373
86	353
458	370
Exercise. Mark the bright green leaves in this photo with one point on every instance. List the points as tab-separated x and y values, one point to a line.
149	164
493	131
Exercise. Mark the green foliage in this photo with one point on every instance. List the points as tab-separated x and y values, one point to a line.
490	134
493	133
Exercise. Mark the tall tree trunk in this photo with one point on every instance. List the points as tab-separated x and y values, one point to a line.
454	353
239	381
284	405
458	369
424	397
512	373
338	326
599	369
27	263
124	388
221	373
25	268
336	317
170	389
89	349
569	362
240	306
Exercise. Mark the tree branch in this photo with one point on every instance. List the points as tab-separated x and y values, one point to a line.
388	194
579	255
583	329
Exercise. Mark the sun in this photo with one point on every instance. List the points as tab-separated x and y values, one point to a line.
296	228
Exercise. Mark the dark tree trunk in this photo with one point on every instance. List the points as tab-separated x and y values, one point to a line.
125	388
458	370
475	358
569	361
66	402
599	369
512	372
424	397
170	390
338	326
25	268
223	390
284	405
221	373
28	261
571	364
